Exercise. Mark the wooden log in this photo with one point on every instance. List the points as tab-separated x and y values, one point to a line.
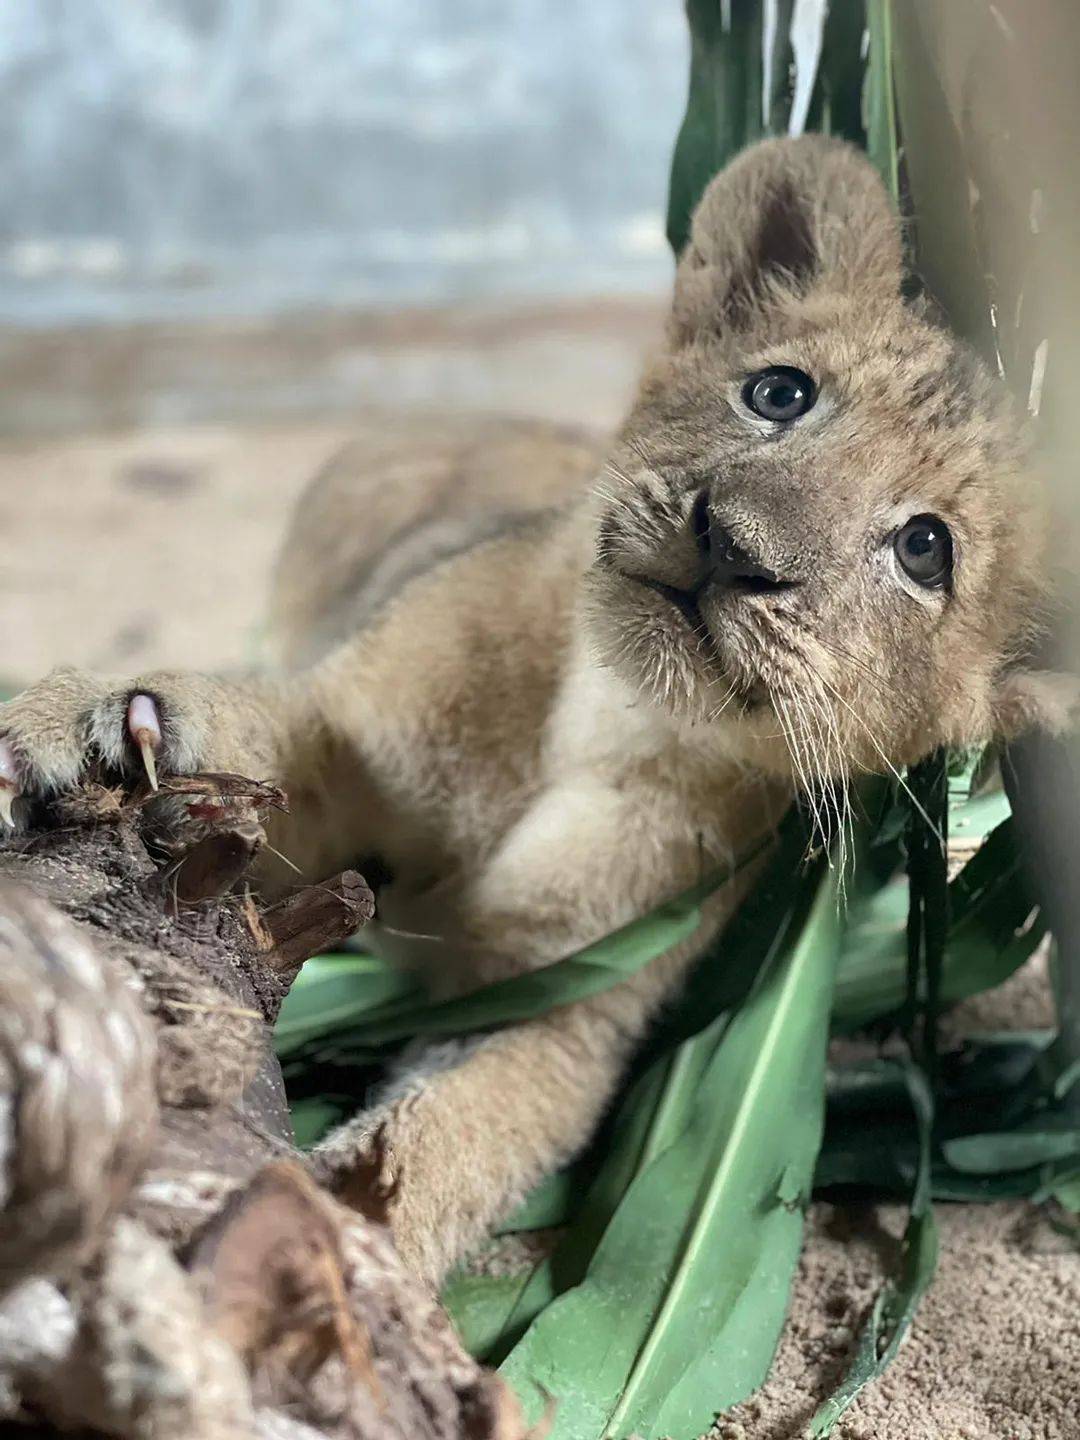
167	1263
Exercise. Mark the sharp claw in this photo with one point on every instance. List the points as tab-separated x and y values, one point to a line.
9	784
146	750
144	727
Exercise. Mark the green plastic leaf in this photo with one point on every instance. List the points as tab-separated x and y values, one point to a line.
995	925
549	1204
724	106
872	1141
480	1305
656	1110
1051	1137
927	934
994	928
659	1103
680	1310
897	1302
312	1118
657	1107
930	905
1063	1185
836	106
879	101
333	992
1066	1080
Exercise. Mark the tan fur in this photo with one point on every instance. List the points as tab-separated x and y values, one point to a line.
528	732
377	516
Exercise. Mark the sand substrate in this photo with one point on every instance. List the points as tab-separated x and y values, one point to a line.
994	1352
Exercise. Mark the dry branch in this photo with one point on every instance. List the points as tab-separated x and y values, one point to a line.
315	919
168	1267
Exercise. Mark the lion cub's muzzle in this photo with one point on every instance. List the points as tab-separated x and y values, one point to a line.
721	563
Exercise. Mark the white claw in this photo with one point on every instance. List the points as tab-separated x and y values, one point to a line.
9	783
144	727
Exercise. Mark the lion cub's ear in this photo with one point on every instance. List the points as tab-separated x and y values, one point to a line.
1047	700
786	216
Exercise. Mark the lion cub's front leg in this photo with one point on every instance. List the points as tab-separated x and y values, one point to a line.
462	1142
162	723
463	1145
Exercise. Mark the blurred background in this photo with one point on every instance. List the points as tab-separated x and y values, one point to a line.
230	227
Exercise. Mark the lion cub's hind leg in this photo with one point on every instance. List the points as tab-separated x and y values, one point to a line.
405	494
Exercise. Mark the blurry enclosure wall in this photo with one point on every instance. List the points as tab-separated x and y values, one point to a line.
199	157
233	232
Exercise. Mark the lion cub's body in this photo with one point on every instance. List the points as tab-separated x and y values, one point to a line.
500	743
548	696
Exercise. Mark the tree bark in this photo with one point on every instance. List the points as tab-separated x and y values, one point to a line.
168	1267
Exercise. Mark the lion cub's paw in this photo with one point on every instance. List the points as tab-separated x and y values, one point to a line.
51	732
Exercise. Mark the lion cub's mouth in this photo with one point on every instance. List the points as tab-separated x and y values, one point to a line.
748	692
684	601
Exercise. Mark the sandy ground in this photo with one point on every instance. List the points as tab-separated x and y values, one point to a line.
994	1351
146	474
139	532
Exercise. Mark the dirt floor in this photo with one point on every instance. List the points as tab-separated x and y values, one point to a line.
144	483
146	474
994	1352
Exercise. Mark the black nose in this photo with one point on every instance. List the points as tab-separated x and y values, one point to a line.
726	561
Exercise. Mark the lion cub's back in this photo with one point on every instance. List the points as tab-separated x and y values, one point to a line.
405	494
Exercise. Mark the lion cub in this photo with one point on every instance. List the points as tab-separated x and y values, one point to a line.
547	704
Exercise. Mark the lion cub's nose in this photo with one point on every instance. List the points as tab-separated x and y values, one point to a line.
724	560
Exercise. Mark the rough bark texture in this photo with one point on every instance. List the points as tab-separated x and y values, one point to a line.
168	1268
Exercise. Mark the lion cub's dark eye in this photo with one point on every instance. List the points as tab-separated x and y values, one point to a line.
782	393
925	551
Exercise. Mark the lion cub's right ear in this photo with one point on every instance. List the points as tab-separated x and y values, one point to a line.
786	216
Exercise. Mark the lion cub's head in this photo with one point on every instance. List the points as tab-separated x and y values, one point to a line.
816	517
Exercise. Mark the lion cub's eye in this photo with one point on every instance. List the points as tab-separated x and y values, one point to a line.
781	393
925	551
